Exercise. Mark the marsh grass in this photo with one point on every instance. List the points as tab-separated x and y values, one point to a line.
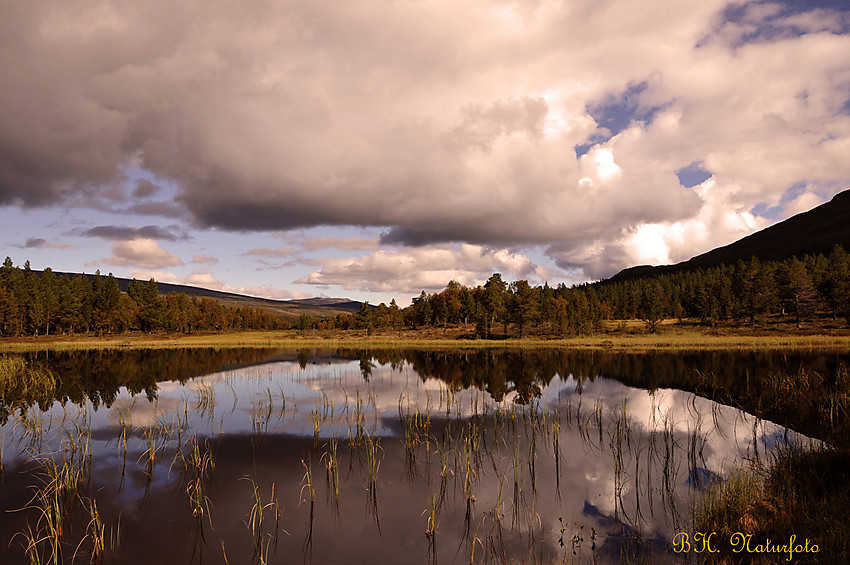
58	495
813	402
431	526
374	456
125	428
100	542
261	413
307	483
264	539
197	468
153	447
331	459
416	428
23	385
317	425
805	493
802	493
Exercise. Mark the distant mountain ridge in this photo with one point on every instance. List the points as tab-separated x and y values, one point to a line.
812	232
315	307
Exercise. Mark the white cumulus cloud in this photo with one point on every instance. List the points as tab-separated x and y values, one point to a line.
412	270
435	122
143	253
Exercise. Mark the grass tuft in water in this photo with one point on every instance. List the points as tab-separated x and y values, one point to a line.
23	385
805	494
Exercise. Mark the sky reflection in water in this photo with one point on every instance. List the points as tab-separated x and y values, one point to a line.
587	468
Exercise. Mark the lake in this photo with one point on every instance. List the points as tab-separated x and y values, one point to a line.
396	456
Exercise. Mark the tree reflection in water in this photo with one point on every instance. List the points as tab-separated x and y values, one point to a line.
386	455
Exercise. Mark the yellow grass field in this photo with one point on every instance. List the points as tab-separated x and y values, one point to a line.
670	338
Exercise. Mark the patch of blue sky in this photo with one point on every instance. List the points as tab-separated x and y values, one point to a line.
777	212
42	237
148	194
693	174
770	20
799	6
615	113
583	148
134	174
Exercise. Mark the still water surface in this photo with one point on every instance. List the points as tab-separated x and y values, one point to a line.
363	457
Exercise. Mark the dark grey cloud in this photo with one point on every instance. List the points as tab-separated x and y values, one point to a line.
41	243
403	235
56	140
606	260
34	242
145	188
124	233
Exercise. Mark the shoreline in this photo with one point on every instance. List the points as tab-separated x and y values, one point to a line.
671	340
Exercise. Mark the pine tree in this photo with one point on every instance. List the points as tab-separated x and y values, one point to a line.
755	288
150	305
421	310
651	308
835	288
799	288
522	305
494	301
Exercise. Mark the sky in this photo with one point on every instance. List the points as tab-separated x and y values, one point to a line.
374	149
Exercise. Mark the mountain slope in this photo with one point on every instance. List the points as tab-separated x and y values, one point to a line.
315	307
815	231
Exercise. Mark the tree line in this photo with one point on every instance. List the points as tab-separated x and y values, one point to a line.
745	292
33	303
45	303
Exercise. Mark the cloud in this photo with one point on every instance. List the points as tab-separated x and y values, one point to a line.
414	269
35	242
497	124
343	243
145	188
143	253
41	243
174	233
267	252
719	222
204	260
803	203
762	21
161	209
266	291
206	280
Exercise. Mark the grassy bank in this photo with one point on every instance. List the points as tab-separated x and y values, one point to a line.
671	337
796	510
780	510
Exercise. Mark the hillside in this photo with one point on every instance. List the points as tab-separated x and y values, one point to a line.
319	307
815	231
